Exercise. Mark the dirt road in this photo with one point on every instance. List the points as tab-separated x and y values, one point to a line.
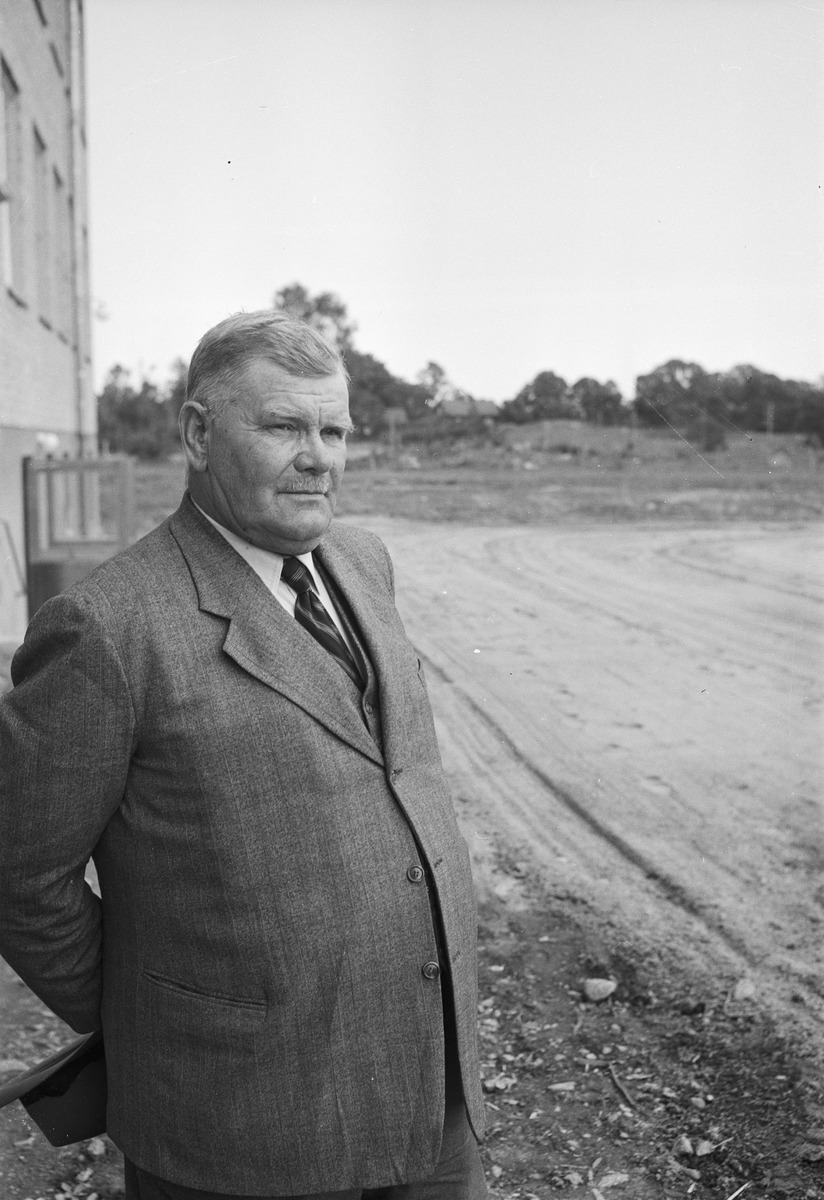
639	709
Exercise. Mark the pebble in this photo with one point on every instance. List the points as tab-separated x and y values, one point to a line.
598	989
743	990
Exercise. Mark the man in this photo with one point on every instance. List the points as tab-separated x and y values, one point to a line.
230	719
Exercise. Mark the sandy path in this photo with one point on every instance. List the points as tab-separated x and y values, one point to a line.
641	709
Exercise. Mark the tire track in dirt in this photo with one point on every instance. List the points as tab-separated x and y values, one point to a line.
672	891
644	723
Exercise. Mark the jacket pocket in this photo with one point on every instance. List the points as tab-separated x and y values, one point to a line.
188	992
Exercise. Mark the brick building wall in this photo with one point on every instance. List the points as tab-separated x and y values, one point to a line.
46	398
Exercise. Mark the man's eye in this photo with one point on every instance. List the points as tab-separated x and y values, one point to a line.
335	435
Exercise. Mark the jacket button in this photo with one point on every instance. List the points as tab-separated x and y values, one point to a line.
430	970
368	708
414	874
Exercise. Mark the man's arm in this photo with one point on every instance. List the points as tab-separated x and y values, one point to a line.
66	738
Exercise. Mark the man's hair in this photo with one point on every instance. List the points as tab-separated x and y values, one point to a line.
224	351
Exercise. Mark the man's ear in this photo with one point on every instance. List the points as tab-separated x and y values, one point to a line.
193	423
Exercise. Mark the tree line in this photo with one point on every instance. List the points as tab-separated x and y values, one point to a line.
703	406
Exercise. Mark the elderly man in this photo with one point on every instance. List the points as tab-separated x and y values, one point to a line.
230	719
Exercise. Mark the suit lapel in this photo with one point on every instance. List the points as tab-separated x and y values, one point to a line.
374	611
262	638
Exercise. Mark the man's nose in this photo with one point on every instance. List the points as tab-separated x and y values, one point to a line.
314	454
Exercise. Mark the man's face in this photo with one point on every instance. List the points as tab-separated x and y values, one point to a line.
272	457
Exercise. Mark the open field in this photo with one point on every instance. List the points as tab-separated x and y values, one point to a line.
625	661
613	476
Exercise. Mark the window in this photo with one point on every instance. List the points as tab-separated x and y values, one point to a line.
42	230
62	256
12	229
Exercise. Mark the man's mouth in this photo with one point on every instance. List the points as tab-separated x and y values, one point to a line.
305	491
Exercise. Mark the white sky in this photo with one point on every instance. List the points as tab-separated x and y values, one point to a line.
504	186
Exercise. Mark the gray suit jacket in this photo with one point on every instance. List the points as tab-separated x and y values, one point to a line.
256	961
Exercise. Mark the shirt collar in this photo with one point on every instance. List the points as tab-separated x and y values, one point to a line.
265	563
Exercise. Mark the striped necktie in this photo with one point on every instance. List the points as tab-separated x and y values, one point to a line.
310	613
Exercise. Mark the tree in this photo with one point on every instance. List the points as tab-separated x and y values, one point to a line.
545	398
174	392
433	379
667	394
140	420
373	388
132	421
600	403
809	411
326	312
702	405
684	396
757	400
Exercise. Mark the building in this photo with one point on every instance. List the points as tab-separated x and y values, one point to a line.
461	405
46	399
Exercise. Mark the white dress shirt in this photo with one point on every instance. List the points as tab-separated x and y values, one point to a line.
268	566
